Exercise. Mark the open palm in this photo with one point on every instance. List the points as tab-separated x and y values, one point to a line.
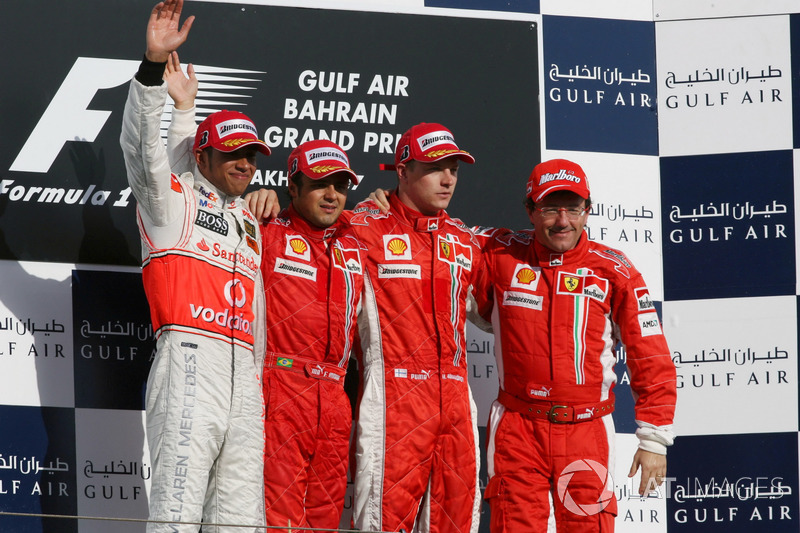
164	33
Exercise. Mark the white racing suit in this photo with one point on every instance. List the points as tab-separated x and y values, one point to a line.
201	257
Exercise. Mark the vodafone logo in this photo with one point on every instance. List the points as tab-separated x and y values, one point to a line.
234	293
583	508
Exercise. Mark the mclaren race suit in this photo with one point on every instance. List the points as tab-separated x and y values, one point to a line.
313	279
416	429
556	319
201	257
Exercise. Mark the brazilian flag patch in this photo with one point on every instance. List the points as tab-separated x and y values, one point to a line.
285	362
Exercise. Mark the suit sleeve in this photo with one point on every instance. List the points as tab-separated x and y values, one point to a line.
152	183
651	369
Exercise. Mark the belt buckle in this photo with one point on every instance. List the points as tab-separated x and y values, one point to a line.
553	416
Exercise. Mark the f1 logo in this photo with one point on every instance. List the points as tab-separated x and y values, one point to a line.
67	117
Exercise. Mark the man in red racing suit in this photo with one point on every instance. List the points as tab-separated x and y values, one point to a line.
201	275
416	449
313	278
558	304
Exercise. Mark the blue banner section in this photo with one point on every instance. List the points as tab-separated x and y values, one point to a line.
733	483
600	85
794	21
728	225
37	469
517	6
113	339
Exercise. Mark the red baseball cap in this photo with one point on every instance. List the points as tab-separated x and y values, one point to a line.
427	142
227	131
317	159
557	175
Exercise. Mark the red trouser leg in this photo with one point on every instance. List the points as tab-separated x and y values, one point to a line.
531	459
327	469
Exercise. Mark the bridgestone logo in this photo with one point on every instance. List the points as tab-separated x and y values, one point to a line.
234	126
400	271
291	268
521	299
435	138
326	153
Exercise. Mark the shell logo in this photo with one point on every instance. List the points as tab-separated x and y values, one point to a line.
298	246
526	276
397	246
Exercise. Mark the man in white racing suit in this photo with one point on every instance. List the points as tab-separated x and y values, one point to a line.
201	257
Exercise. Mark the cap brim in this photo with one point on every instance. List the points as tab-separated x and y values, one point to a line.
259	144
460	154
350	174
583	193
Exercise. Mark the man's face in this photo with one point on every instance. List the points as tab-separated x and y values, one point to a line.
320	201
230	172
559	232
427	187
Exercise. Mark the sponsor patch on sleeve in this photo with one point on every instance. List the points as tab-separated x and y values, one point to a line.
649	324
645	303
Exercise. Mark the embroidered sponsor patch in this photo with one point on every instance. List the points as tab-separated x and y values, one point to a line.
297	246
523	299
347	259
253	244
211	222
400	271
645	303
649	324
397	247
452	251
292	268
587	285
539	391
526	277
249	228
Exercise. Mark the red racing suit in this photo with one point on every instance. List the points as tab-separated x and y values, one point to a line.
556	319
313	280
416	429
200	269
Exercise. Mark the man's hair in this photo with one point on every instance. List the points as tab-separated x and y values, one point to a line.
298	182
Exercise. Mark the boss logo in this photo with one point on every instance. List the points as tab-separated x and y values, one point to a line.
211	222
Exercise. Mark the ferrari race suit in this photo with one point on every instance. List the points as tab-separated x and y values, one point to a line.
313	279
416	429
200	269
556	319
